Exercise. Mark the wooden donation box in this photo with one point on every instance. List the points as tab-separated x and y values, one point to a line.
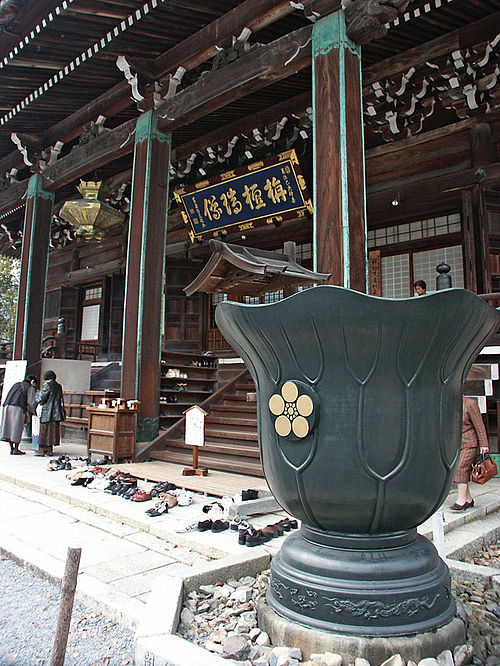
112	429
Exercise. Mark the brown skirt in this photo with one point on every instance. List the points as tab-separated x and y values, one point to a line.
465	462
49	434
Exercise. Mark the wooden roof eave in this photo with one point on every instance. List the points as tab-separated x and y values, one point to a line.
233	265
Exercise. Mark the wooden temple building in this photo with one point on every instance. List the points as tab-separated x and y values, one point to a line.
158	156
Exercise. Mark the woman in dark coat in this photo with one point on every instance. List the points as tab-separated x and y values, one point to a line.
19	402
474	437
52	402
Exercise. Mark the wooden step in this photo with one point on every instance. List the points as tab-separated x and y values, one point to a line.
228	419
230	432
232	399
250	449
236	464
239	408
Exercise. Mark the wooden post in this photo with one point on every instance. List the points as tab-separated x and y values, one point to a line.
141	348
339	232
68	588
34	257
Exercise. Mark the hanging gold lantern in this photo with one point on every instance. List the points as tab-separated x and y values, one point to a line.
91	216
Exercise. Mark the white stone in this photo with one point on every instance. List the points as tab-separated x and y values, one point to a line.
253	633
295	653
327	658
428	661
395	660
218	636
445	658
280	651
187	616
283	661
236	646
242	594
360	661
242	627
262	639
213	647
463	654
222	592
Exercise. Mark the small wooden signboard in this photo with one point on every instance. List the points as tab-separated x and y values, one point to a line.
195	437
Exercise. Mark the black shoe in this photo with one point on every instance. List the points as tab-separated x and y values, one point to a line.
79	482
219	526
258	538
249	495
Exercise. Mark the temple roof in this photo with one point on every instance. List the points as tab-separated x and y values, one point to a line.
249	271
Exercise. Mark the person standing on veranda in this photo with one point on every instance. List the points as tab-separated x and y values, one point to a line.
52	402
474	436
19	402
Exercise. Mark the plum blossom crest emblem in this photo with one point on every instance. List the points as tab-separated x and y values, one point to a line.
296	409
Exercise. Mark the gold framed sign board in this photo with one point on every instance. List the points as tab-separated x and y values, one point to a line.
264	192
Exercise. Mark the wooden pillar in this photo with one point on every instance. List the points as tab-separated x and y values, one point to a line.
339	234
34	259
475	213
141	347
474	226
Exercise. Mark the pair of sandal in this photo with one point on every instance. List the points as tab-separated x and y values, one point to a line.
158	509
57	464
85	479
117	487
162	487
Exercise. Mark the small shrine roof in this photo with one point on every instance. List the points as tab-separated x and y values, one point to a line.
249	271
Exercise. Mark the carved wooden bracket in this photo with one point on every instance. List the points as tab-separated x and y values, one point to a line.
464	81
33	156
92	130
366	19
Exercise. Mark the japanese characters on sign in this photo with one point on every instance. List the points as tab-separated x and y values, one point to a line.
263	192
195	426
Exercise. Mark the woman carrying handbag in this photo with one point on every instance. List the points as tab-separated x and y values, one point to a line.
473	437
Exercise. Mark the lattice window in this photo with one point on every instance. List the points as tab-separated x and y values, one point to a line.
424	265
273	296
396	276
412	231
90	322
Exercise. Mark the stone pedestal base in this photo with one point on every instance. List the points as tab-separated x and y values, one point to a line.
376	650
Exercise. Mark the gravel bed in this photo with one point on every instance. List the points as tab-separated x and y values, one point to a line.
28	618
222	618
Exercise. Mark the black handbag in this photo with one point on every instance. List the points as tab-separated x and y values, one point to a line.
484	468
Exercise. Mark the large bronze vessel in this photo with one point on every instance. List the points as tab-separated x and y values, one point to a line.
359	414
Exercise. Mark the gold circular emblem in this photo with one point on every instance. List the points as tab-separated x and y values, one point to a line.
300	426
289	391
305	405
276	404
294	410
283	426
